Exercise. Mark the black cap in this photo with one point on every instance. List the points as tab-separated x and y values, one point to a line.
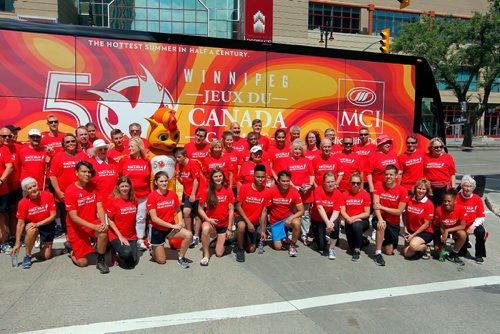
13	128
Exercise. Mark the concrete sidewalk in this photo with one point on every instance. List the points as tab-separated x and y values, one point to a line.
477	143
492	201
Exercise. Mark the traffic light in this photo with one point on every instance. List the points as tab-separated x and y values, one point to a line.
385	41
403	3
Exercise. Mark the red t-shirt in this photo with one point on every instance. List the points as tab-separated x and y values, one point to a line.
123	214
450	219
224	163
391	197
106	175
62	166
188	173
301	170
239	144
236	160
312	154
278	157
329	201
36	210
282	205
264	142
247	171
439	170
351	163
14	179
117	155
5	158
165	206
377	163
417	212
355	204
412	168
139	172
196	153
32	163
225	196
364	152
253	201
48	141
321	166
84	201
473	206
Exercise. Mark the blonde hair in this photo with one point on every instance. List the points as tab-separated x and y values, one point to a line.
140	145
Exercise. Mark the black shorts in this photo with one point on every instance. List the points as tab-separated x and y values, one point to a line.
426	236
221	230
391	233
193	206
250	238
157	237
4	203
47	232
15	196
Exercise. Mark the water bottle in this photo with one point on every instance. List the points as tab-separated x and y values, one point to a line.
260	250
442	255
13	259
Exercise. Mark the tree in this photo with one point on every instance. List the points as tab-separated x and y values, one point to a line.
454	46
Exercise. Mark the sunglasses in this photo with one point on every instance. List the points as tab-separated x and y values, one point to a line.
347	144
356	183
35	137
53	122
411	143
437	147
7	136
70	141
363	134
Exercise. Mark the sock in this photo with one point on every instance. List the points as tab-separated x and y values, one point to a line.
378	252
100	257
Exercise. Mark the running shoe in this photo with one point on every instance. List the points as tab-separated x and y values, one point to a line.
26	262
292	251
141	245
204	262
102	267
332	255
453	257
355	256
479	260
240	255
67	247
379	260
195	242
183	263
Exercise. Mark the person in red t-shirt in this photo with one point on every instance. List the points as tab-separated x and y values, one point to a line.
336	147
9	134
216	158
52	139
350	163
199	148
86	218
285	209
233	155
6	169
163	208
313	140
327	162
355	209
106	170
239	143
411	163
251	203
82	138
364	149
389	202
279	152
137	167
247	168
119	150
418	221
218	215
35	216
252	141
34	159
92	131
263	141
294	133
439	168
450	219
474	207
135	131
324	215
121	210
379	160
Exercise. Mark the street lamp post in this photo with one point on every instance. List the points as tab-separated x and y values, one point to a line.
326	32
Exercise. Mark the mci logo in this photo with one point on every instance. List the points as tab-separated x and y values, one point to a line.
361	106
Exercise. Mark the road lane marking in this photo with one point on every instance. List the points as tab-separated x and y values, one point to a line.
270	308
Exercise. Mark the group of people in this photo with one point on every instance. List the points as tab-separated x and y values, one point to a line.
247	190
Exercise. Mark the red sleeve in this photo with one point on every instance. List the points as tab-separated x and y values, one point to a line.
462	215
480	207
366	198
317	197
342	199
70	199
151	201
337	195
404	195
429	210
111	208
21	210
451	165
50	201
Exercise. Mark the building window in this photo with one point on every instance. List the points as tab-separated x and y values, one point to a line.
462	78
335	18
495	88
393	20
6	5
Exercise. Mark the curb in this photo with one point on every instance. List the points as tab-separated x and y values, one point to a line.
490	203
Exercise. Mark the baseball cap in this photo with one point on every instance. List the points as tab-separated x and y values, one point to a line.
383	139
98	143
13	128
34	132
256	149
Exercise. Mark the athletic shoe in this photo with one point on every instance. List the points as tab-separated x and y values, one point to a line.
59	231
141	245
452	257
26	262
204	262
291	251
305	240
102	267
67	247
332	255
37	243
374	235
355	256
479	260
240	255
379	260
183	263
195	242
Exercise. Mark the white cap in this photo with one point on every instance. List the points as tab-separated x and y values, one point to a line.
98	143
34	132
255	149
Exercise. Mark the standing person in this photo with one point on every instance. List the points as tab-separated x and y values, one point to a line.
84	204
106	170
379	160
474	224
418	221
62	172
82	138
364	148
411	164
119	150
302	180
450	219
330	134
53	138
92	131
350	162
190	176
313	140
285	209
121	210
218	215
6	168
251	203
233	155
35	216
216	158
294	133
248	167
355	209
263	141
279	152
34	159
239	143
389	201
199	148
324	215
135	131
327	162
138	169
163	207
439	168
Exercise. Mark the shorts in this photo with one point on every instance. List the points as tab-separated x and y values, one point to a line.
250	238
221	230
157	237
391	233
47	232
278	229
426	236
80	241
15	196
4	203
193	206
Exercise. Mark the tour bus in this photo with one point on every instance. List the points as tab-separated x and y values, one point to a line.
115	77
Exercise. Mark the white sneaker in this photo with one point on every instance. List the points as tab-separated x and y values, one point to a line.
141	245
374	235
332	255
